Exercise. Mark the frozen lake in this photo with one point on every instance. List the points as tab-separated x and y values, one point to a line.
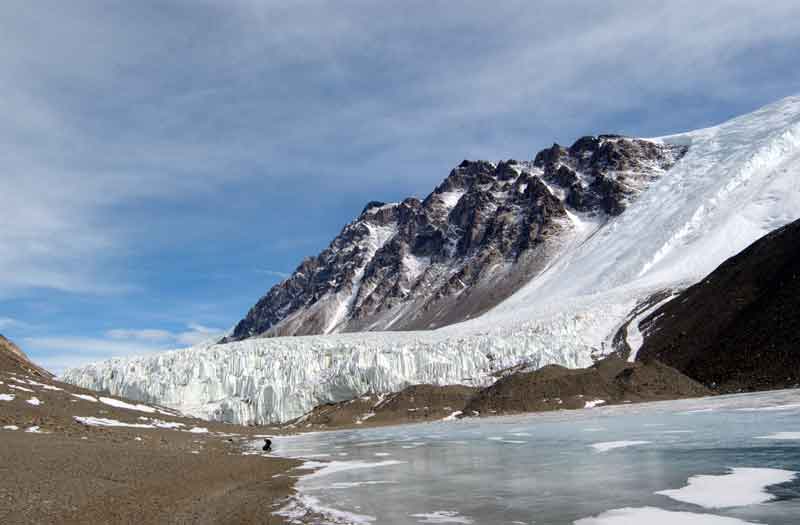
726	460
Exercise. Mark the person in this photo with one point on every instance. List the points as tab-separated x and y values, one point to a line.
267	445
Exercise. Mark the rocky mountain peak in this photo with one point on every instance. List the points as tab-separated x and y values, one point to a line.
481	234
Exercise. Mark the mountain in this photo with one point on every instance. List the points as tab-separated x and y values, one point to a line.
735	183
484	232
739	328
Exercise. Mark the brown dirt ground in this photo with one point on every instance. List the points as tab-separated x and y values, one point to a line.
554	387
414	404
73	473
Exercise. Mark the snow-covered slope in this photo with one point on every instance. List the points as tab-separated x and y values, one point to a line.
484	232
737	181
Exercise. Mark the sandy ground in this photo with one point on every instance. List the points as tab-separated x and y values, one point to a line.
114	479
70	472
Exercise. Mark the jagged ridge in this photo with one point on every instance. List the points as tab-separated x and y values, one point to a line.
476	239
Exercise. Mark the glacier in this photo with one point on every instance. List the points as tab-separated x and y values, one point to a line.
738	181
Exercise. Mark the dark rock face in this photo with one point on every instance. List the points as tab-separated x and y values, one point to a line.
739	328
485	231
604	172
554	387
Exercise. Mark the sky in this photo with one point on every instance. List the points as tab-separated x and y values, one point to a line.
163	164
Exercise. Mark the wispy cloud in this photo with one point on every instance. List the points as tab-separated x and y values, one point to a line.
140	335
275	273
317	95
7	322
149	149
197	334
60	352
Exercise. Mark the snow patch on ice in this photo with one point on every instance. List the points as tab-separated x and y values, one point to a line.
441	516
781	436
656	516
326	469
303	506
7	397
791	406
453	416
594	403
353	484
740	487
697	411
612	445
35	401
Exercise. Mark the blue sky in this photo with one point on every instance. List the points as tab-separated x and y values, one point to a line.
165	163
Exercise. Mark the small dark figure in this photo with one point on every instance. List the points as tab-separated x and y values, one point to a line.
267	445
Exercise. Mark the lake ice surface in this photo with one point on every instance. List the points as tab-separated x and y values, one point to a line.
605	465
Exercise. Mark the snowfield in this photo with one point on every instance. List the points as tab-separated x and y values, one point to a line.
737	182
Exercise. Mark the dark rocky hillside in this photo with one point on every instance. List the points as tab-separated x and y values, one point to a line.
609	381
739	328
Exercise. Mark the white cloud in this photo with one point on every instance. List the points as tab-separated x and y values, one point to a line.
198	334
275	273
56	353
143	335
89	346
7	322
59	353
119	109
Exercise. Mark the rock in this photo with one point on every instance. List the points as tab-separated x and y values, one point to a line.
611	380
739	328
